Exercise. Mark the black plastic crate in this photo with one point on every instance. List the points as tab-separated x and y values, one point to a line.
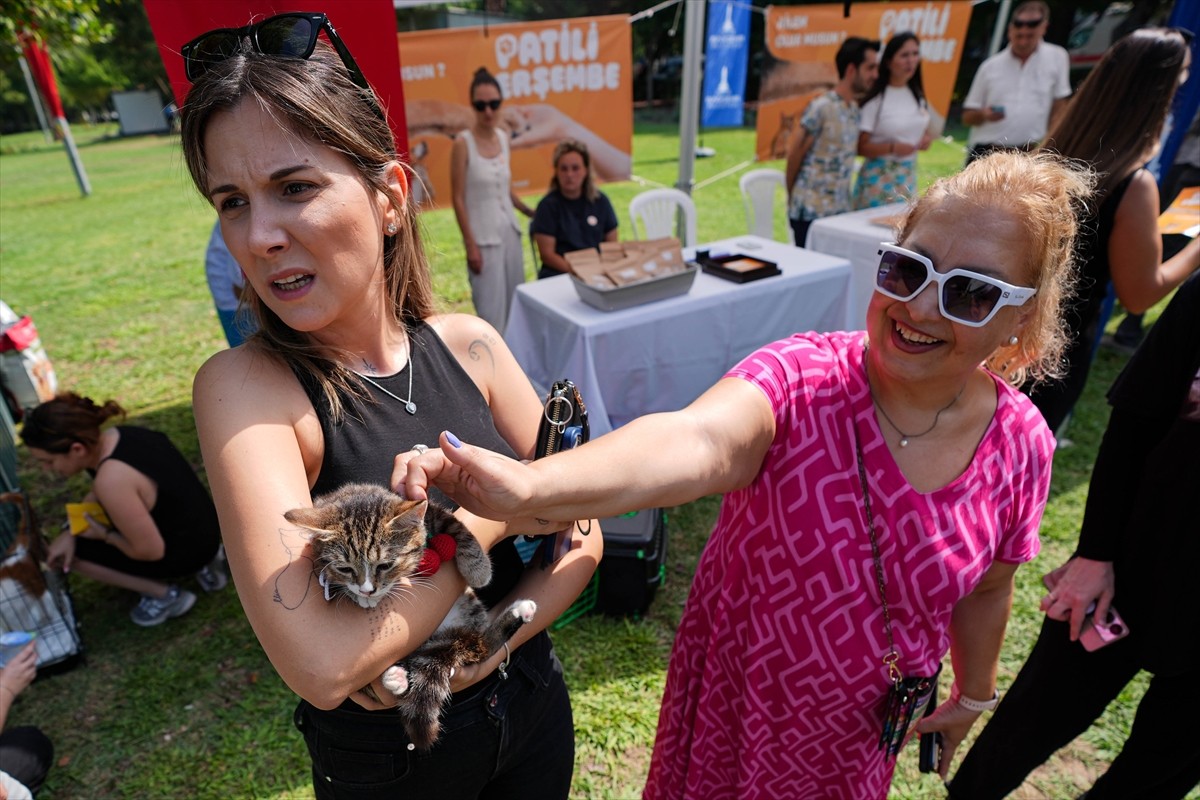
634	563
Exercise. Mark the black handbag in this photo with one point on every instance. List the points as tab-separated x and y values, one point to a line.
564	425
564	420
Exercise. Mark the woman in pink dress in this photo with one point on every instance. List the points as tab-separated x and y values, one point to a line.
899	464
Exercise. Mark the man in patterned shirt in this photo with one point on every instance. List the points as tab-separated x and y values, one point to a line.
821	157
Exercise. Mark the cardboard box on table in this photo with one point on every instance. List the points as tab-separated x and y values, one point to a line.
624	274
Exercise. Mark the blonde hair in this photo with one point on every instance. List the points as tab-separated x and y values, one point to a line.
1046	195
316	99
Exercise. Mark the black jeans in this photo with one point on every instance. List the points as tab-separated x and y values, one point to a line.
511	738
1059	693
26	754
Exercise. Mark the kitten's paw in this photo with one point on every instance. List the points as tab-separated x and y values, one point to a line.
476	572
524	610
395	680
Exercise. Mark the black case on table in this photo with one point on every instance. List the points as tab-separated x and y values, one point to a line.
634	563
716	266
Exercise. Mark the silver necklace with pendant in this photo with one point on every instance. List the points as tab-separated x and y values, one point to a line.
408	403
905	437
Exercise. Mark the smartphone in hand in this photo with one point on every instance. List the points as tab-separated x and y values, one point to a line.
930	744
930	751
1093	634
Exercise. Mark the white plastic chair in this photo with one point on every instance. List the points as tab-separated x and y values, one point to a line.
759	187
659	209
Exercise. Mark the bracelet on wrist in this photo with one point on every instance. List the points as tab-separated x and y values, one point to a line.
970	704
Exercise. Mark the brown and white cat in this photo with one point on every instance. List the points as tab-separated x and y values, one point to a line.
27	601
367	542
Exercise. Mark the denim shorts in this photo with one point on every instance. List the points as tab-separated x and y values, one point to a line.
501	738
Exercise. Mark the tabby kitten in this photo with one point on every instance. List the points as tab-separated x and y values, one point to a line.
366	541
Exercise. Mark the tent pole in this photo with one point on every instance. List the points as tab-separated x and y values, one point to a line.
689	102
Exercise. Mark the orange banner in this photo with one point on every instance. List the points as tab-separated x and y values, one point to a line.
560	79
806	38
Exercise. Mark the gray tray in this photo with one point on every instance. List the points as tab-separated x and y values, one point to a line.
635	294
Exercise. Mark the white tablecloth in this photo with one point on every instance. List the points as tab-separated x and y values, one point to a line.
662	355
853	236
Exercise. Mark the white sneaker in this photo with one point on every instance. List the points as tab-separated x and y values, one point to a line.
213	577
152	610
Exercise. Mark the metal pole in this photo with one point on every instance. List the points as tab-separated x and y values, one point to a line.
73	156
998	29
36	97
689	101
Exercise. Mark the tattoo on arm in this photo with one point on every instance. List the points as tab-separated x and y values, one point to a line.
479	348
296	593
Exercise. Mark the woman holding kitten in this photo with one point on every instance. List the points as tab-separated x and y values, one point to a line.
352	366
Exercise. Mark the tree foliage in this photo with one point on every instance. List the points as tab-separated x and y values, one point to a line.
54	21
97	47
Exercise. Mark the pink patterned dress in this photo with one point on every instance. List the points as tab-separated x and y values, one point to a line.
775	688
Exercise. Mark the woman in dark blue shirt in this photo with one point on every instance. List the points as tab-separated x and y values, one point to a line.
574	215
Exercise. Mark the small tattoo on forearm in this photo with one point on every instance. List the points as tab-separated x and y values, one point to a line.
296	593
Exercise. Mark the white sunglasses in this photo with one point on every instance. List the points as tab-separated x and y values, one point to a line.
966	297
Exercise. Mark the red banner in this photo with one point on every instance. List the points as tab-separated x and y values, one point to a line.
368	27
38	56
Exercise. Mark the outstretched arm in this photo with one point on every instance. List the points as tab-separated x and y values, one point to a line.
715	445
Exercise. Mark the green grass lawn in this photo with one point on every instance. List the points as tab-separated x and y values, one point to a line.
115	283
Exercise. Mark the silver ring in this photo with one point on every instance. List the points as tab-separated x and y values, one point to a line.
422	449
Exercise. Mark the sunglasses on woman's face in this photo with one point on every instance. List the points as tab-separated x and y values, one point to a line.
480	105
965	297
290	35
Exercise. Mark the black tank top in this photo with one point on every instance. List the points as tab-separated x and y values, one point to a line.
183	509
361	448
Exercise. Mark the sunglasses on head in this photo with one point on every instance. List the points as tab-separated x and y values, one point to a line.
966	297
1027	23
480	105
291	35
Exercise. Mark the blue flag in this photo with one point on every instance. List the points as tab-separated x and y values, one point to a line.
725	63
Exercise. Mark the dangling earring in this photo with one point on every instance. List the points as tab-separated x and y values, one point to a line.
391	229
1012	341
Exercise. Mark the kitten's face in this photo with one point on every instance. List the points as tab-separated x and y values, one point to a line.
366	541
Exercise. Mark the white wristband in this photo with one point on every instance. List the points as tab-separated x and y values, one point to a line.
978	706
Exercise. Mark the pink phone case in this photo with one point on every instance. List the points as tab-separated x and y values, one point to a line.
1094	635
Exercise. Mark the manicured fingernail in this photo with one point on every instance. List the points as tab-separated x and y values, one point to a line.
453	440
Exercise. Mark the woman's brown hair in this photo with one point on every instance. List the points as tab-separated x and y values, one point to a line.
1045	194
1115	119
57	424
316	99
